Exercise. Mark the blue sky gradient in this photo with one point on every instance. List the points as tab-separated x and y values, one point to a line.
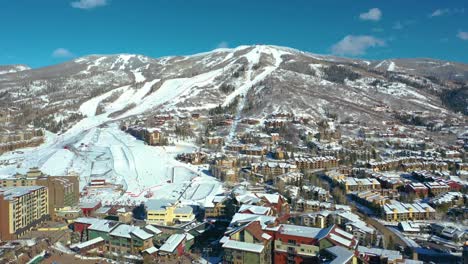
41	33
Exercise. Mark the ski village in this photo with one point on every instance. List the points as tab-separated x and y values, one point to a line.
198	169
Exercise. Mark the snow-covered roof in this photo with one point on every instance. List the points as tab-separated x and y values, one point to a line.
87	220
342	255
128	230
158	204
391	254
88	243
341	240
11	192
254	209
246	218
243	246
142	234
151	250
183	210
172	242
153	229
300	231
104	225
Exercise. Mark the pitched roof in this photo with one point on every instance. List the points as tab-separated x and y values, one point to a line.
140	233
152	229
342	255
103	225
243	246
172	242
254	209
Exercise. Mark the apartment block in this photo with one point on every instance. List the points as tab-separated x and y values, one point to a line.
397	211
21	209
168	212
358	185
63	191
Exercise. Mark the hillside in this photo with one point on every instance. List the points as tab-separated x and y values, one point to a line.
267	79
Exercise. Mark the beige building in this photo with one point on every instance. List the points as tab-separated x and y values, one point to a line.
360	184
63	190
21	209
396	211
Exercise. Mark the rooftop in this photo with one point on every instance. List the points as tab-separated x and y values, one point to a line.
158	204
9	193
172	242
243	246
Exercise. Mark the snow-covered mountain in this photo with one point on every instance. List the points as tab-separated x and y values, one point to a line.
13	68
264	79
77	97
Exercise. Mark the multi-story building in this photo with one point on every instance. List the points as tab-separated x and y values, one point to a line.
397	211
168	212
247	244
316	193
10	141
118	238
315	162
273	168
417	188
300	244
63	191
358	185
225	169
346	220
277	202
218	207
437	188
129	239
315	206
22	208
152	136
371	197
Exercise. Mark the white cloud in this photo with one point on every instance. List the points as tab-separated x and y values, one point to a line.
439	12
62	53
88	4
463	35
373	14
398	25
446	11
222	45
356	45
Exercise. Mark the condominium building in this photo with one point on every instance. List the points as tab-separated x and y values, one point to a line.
437	188
417	188
273	168
118	237
358	185
168	212
21	209
217	207
247	244
398	211
315	162
63	191
301	244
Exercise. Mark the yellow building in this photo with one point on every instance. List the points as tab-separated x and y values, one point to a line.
396	211
21	209
167	212
360	184
217	207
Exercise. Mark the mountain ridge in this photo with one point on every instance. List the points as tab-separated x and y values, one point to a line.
263	79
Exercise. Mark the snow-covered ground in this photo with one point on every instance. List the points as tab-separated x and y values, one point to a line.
95	148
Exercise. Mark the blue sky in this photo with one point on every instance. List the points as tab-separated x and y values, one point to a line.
45	32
